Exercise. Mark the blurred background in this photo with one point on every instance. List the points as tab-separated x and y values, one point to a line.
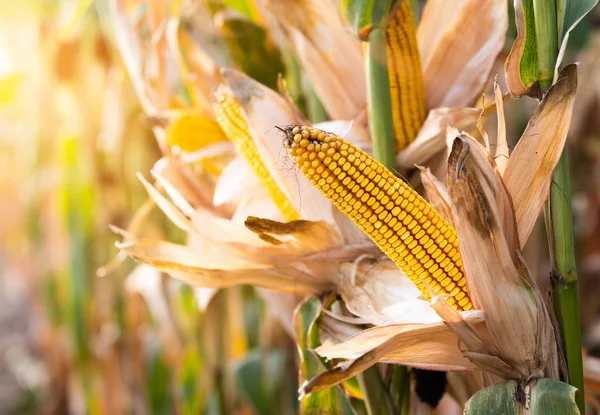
81	330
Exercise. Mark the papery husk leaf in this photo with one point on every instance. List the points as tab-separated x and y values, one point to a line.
521	66
501	152
194	189
381	294
426	346
329	55
529	170
537	397
479	350
214	269
437	194
264	110
303	237
175	215
333	399
436	17
486	229
431	140
458	66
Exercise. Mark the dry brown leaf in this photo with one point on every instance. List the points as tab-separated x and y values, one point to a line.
438	196
426	346
529	171
213	268
459	64
501	153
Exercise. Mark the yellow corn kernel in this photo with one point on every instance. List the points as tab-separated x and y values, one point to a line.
406	79
230	118
402	224
190	131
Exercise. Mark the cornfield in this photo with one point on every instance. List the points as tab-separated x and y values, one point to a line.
299	207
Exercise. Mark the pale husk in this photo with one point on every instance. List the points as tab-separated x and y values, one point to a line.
330	55
457	66
529	170
431	139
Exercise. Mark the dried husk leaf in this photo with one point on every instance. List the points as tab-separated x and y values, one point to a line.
329	55
436	17
518	325
381	294
529	170
426	346
438	196
432	136
501	152
457	67
208	266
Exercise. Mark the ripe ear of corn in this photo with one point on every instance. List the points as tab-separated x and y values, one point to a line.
402	224
406	79
231	119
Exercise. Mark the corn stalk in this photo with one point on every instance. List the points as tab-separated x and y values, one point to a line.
559	212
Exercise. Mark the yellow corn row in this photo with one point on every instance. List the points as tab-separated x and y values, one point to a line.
402	224
406	79
232	122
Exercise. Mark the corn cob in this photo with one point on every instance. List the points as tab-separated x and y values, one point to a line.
231	119
406	79
402	224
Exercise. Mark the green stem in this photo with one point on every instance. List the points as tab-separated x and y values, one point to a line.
373	390
380	102
382	133
564	283
546	35
559	215
400	389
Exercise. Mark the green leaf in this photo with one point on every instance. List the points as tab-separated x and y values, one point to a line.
538	397
260	378
245	7
574	11
365	15
331	400
253	50
189	382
